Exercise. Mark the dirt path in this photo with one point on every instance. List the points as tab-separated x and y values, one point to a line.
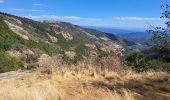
13	74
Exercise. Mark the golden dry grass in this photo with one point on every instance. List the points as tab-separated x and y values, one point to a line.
80	83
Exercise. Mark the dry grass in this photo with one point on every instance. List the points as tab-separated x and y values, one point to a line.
82	83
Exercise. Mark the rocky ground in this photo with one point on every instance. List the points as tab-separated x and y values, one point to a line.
13	74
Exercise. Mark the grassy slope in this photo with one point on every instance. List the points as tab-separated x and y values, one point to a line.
78	42
6	62
40	29
9	40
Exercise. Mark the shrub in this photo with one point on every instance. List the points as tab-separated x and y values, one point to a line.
110	62
7	63
31	58
139	62
156	64
136	60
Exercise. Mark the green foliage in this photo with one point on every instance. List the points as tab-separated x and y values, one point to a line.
161	46
40	45
156	64
7	63
140	62
11	41
101	53
63	43
8	40
82	50
136	60
163	51
159	56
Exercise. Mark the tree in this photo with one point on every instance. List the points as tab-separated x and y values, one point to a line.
161	38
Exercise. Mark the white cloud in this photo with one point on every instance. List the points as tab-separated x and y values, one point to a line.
138	22
37	4
42	17
16	9
137	18
34	10
2	1
28	10
72	17
49	17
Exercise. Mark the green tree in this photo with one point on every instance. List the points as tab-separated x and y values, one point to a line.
136	60
161	38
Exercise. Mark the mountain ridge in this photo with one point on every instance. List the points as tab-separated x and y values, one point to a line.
30	39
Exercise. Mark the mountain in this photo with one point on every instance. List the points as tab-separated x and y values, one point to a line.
135	35
142	40
134	39
138	37
114	30
25	42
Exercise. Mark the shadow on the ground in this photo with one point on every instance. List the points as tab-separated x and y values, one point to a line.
148	89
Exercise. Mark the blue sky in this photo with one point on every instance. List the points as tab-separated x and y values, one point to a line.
104	13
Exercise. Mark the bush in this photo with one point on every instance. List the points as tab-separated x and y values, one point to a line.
136	60
7	63
111	62
139	62
31	58
163	51
156	64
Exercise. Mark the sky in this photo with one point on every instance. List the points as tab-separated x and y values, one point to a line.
101	13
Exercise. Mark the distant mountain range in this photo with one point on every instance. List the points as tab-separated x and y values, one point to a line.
116	30
138	39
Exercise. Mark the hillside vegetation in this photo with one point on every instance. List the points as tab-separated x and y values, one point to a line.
10	40
157	57
24	42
